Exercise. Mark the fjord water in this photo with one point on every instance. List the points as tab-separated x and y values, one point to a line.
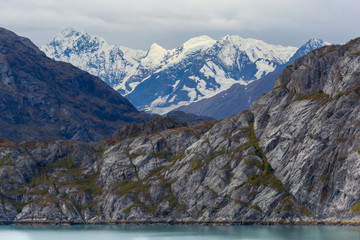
178	232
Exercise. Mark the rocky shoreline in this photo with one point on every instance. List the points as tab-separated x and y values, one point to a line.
170	222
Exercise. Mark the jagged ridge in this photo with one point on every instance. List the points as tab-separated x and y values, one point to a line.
239	97
158	79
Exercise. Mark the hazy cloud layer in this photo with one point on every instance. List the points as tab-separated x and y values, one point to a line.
138	23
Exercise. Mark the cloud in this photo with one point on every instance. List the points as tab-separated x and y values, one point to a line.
138	23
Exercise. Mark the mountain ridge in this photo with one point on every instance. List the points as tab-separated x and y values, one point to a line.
239	97
46	100
200	67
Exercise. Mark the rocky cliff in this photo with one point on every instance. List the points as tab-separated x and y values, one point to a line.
309	128
41	99
295	156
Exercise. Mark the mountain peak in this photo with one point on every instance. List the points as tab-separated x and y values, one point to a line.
71	31
73	41
73	35
315	40
198	43
315	43
156	46
237	40
154	55
310	45
232	38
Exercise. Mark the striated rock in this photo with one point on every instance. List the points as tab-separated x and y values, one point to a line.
46	212
308	126
206	172
7	212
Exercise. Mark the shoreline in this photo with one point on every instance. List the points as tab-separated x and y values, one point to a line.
214	223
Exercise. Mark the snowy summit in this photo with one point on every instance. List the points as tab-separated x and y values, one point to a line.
159	79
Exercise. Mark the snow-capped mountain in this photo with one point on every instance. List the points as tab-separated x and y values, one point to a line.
159	79
310	45
239	97
208	71
113	64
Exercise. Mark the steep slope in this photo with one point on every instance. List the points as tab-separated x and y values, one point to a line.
41	99
293	158
158	80
239	97
233	100
309	128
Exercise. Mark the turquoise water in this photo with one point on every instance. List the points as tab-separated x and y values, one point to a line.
177	232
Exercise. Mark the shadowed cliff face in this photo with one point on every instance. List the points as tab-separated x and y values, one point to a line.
41	99
294	157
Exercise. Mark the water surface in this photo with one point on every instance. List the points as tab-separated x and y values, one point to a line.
178	232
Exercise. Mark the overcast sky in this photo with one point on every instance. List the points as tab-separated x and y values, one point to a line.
138	23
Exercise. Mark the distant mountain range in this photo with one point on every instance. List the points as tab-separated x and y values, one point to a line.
239	97
41	99
159	80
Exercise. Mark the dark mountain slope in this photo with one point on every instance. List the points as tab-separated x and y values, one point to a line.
233	100
188	118
41	99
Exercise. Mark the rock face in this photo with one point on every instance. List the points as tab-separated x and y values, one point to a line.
293	157
41	99
309	127
207	172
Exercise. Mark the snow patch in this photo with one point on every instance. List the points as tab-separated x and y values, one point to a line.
175	84
191	93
